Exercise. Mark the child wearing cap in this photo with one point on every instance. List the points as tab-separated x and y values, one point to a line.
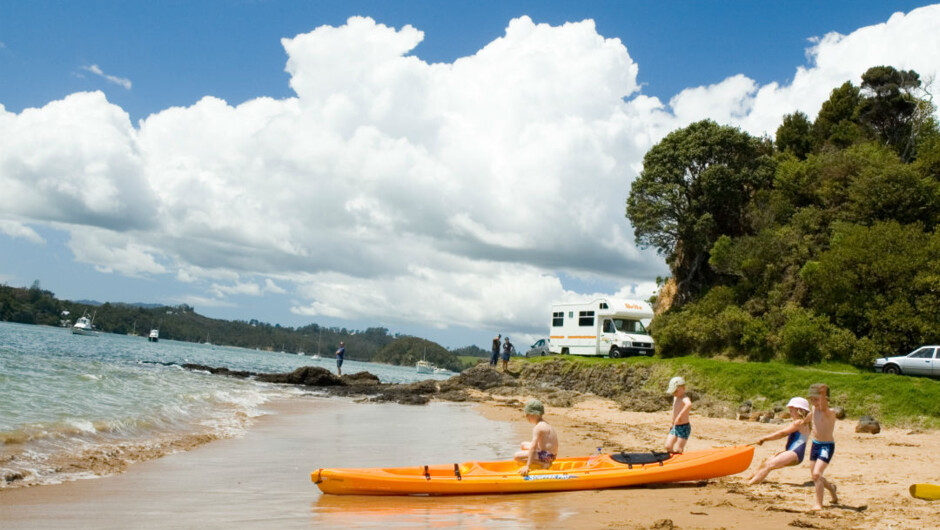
681	405
797	434
541	451
824	445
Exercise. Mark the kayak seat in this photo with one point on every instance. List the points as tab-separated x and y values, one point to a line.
632	459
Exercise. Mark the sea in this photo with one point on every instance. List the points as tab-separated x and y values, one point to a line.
74	406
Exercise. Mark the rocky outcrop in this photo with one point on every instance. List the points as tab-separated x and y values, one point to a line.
217	371
480	377
307	376
868	424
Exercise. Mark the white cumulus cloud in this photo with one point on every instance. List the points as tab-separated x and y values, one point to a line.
391	190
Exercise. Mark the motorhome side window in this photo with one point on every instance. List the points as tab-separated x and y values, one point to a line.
586	318
603	305
558	319
608	326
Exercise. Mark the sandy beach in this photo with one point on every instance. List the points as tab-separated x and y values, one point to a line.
872	472
261	480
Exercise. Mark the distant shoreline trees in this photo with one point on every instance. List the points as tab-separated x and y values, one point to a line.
35	305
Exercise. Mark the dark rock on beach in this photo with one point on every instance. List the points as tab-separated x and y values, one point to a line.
307	376
361	378
480	377
218	371
868	424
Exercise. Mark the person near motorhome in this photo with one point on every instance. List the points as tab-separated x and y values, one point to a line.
494	358
797	434
508	348
680	429
542	450
823	419
339	358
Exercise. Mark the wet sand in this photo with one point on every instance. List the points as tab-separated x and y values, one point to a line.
262	480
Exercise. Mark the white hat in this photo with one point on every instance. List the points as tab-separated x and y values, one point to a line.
675	383
799	403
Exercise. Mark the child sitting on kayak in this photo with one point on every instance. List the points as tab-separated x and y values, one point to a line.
797	434
681	429
541	451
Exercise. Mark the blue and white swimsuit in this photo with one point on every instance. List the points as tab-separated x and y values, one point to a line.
796	442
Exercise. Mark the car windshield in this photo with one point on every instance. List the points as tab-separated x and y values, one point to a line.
629	326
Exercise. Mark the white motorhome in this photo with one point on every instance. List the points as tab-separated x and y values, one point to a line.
605	326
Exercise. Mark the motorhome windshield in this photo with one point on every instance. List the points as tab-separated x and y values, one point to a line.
629	326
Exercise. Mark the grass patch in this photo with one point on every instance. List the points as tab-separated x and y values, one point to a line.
470	360
901	401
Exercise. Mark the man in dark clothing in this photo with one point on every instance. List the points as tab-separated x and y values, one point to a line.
495	357
339	358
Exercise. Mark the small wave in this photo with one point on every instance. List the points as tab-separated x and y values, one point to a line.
90	377
32	468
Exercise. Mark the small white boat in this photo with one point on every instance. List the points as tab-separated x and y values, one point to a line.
83	326
424	367
315	356
154	335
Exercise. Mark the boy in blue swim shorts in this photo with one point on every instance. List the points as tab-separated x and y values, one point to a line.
824	446
681	429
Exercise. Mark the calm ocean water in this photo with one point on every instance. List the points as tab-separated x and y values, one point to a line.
76	406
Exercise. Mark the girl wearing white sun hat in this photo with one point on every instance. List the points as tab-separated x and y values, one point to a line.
797	434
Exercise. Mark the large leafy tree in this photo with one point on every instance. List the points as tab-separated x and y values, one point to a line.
881	282
836	122
889	107
695	186
795	135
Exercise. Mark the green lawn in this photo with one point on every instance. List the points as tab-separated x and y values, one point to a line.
893	400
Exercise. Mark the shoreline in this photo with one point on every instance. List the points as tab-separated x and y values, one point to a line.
263	476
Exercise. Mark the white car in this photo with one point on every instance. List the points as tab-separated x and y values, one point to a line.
922	361
539	349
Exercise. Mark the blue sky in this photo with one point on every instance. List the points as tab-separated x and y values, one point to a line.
317	231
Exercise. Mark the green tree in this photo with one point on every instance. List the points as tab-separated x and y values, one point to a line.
836	122
880	282
889	107
795	135
695	186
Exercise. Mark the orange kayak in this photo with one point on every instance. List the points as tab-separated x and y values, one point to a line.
580	473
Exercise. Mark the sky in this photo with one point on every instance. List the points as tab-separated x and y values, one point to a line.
443	169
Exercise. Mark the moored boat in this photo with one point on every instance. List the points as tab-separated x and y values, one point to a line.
83	326
579	473
424	367
154	335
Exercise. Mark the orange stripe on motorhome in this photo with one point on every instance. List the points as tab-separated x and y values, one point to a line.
556	336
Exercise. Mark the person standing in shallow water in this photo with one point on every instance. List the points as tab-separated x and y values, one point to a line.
339	358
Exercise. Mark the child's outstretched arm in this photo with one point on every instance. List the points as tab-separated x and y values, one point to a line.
794	426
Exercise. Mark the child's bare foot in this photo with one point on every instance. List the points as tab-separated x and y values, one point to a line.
832	491
816	508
